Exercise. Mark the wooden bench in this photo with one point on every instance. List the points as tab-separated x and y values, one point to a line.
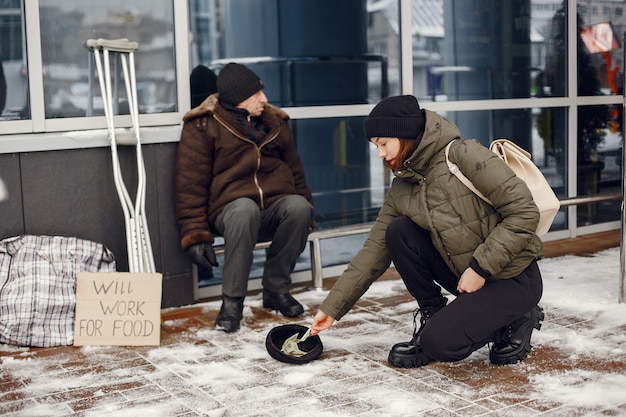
315	238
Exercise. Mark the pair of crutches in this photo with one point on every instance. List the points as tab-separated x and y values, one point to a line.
140	257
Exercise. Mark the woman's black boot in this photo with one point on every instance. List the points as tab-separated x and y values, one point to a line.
410	354
512	344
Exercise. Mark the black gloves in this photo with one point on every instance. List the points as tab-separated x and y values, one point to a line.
202	254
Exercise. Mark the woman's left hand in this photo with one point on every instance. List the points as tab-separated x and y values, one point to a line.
470	281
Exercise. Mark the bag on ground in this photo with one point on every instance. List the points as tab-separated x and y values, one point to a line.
38	286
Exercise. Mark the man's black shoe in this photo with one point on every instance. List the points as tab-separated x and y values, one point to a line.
231	312
285	303
513	343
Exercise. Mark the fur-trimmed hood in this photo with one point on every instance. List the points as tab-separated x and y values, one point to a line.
272	116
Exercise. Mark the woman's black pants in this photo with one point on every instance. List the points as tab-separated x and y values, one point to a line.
472	319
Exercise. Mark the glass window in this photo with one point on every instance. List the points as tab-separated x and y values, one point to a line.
342	170
308	53
66	24
550	52
599	159
496	52
600	53
13	80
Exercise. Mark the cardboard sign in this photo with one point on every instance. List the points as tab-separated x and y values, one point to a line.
118	309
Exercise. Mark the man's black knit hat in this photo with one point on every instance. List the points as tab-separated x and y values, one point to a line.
236	82
395	117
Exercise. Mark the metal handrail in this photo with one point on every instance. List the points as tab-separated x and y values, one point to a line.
574	201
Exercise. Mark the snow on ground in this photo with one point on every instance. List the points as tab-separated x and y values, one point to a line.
232	370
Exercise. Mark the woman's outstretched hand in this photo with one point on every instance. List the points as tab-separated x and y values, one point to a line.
321	321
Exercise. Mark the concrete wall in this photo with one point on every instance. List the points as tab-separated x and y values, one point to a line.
72	193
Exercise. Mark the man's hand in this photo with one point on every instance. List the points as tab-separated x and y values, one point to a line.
202	254
470	281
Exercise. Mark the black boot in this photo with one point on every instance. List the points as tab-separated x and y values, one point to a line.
512	343
285	303
410	354
230	314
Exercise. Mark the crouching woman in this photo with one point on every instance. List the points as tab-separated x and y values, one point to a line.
438	233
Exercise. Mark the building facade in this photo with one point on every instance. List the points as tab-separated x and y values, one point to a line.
544	73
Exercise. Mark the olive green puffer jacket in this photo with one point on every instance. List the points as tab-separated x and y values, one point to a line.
462	226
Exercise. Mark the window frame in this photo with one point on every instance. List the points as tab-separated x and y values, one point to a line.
63	133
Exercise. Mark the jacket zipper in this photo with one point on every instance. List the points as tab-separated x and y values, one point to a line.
258	153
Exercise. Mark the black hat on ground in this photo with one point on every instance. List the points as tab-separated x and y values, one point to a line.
236	82
396	117
312	347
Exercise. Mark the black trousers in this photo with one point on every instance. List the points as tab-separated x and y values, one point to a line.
471	320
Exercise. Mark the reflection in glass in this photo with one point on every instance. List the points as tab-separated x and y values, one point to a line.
496	53
597	70
600	53
308	53
66	24
599	162
13	74
342	170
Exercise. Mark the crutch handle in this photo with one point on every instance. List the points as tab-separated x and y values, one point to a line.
126	138
115	45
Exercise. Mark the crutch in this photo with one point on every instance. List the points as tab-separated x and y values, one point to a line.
140	257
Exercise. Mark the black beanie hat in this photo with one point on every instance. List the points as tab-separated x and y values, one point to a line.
203	84
236	82
395	117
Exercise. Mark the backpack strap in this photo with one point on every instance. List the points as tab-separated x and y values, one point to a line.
454	169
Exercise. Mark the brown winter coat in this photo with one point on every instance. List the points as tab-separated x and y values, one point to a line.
217	163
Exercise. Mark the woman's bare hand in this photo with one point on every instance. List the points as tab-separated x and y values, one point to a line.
321	321
470	281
